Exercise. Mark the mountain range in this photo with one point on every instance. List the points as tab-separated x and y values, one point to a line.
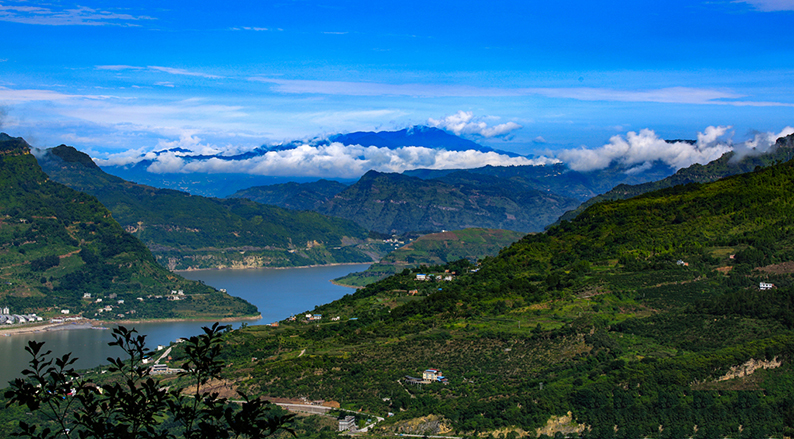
519	198
187	231
218	184
217	180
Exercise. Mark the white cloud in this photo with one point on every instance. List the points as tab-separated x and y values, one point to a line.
79	16
165	84
769	5
760	143
670	95
183	72
463	122
334	160
645	147
20	96
255	29
118	67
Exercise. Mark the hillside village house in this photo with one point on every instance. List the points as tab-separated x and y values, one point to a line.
766	286
433	375
348	424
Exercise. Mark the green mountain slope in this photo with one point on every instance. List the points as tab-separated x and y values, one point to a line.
56	244
640	318
395	203
728	164
187	232
435	249
295	196
559	179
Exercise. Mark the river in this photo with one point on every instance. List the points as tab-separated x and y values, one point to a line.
278	293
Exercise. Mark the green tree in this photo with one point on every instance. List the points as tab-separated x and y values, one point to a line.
136	404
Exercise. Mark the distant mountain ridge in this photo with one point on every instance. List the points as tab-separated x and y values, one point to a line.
219	185
419	135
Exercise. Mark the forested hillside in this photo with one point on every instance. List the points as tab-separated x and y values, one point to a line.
644	317
295	196
57	244
396	203
186	231
558	178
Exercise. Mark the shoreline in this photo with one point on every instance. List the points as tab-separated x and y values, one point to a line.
48	327
198	319
336	264
355	287
89	324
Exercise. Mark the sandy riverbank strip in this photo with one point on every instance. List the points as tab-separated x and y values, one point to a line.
346	286
200	319
47	327
189	270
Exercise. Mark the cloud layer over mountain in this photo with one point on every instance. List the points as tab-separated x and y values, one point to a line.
332	160
645	147
636	151
463	122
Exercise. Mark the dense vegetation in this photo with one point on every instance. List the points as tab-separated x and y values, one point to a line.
186	231
556	179
396	203
56	244
435	249
642	318
292	195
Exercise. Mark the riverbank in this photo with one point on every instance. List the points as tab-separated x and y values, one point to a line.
338	264
346	286
202	319
47	327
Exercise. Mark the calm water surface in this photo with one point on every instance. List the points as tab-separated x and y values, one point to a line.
278	293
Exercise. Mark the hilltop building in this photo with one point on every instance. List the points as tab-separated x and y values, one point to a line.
348	424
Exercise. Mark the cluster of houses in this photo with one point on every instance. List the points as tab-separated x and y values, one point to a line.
6	318
428	376
447	276
313	317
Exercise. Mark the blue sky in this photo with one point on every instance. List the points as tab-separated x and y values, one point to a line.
525	76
